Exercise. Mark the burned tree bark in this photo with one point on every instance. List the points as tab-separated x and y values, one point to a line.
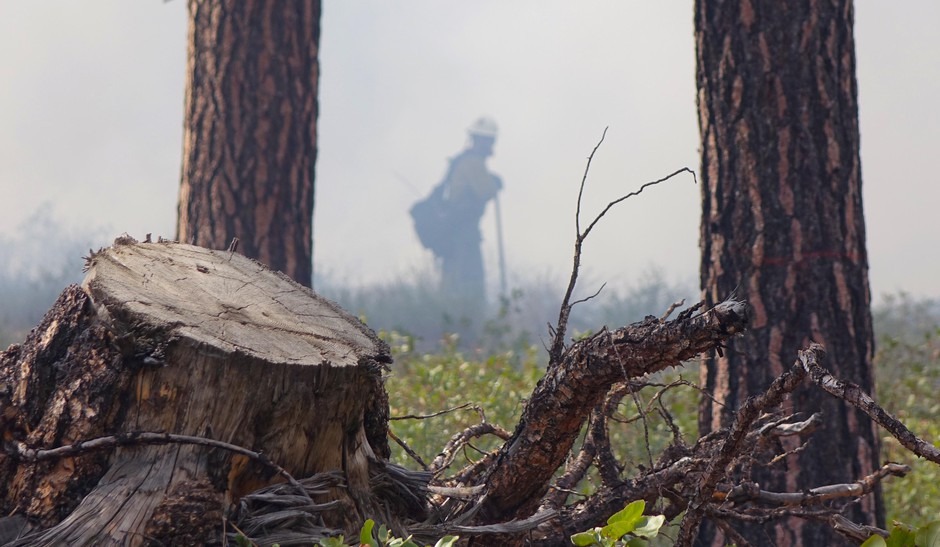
187	341
250	134
783	227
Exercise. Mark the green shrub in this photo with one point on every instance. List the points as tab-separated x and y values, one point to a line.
423	384
907	375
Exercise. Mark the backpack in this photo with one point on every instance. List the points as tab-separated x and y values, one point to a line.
430	217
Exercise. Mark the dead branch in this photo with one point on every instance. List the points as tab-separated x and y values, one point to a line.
583	514
732	447
784	427
752	492
568	392
855	396
443	460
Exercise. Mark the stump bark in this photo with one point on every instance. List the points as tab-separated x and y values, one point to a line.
165	337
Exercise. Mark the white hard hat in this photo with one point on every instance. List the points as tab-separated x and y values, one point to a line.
484	127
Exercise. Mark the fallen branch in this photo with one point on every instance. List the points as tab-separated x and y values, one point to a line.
732	446
569	391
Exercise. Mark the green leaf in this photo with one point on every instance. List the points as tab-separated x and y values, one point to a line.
631	513
875	541
637	542
383	535
447	541
585	539
901	536
365	535
648	527
617	530
928	535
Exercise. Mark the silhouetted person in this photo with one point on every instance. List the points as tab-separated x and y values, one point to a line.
448	221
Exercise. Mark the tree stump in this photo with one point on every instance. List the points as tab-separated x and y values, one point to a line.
165	337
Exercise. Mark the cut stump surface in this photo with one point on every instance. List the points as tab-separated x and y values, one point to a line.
179	339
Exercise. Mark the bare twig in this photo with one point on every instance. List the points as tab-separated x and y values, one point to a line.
404	446
646	430
587	169
635	193
607	465
440	412
558	338
20	451
585	299
672	307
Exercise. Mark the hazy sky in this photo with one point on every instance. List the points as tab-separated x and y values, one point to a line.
91	120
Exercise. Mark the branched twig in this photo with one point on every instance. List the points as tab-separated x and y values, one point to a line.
558	339
558	336
587	169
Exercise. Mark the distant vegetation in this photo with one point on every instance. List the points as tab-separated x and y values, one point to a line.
442	361
414	309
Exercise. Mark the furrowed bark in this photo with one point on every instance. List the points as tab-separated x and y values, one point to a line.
783	226
250	135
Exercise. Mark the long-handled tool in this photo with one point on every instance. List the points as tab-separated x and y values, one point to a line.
502	254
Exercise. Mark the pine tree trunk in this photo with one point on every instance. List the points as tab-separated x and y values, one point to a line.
178	339
250	135
782	226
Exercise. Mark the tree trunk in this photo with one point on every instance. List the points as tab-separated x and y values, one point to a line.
183	340
782	226
250	134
